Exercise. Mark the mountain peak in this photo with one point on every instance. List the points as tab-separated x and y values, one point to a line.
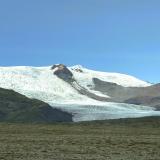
61	71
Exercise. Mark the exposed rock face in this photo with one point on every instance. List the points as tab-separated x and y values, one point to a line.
116	92
149	96
63	72
145	100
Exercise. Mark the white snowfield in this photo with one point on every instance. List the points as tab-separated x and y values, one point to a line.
42	84
85	77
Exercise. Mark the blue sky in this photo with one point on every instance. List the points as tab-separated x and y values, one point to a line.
108	35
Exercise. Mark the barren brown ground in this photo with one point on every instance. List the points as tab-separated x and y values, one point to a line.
108	140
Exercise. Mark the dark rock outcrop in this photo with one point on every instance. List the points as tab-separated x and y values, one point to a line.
78	70
145	100
62	72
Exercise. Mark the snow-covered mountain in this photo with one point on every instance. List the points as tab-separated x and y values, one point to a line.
72	89
85	77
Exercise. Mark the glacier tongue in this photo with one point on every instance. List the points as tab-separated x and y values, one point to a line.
42	84
107	110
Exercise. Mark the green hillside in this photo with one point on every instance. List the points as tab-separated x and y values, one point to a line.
15	107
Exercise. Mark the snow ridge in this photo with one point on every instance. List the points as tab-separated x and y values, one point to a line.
87	75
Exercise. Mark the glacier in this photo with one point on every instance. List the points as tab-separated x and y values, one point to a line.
40	83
